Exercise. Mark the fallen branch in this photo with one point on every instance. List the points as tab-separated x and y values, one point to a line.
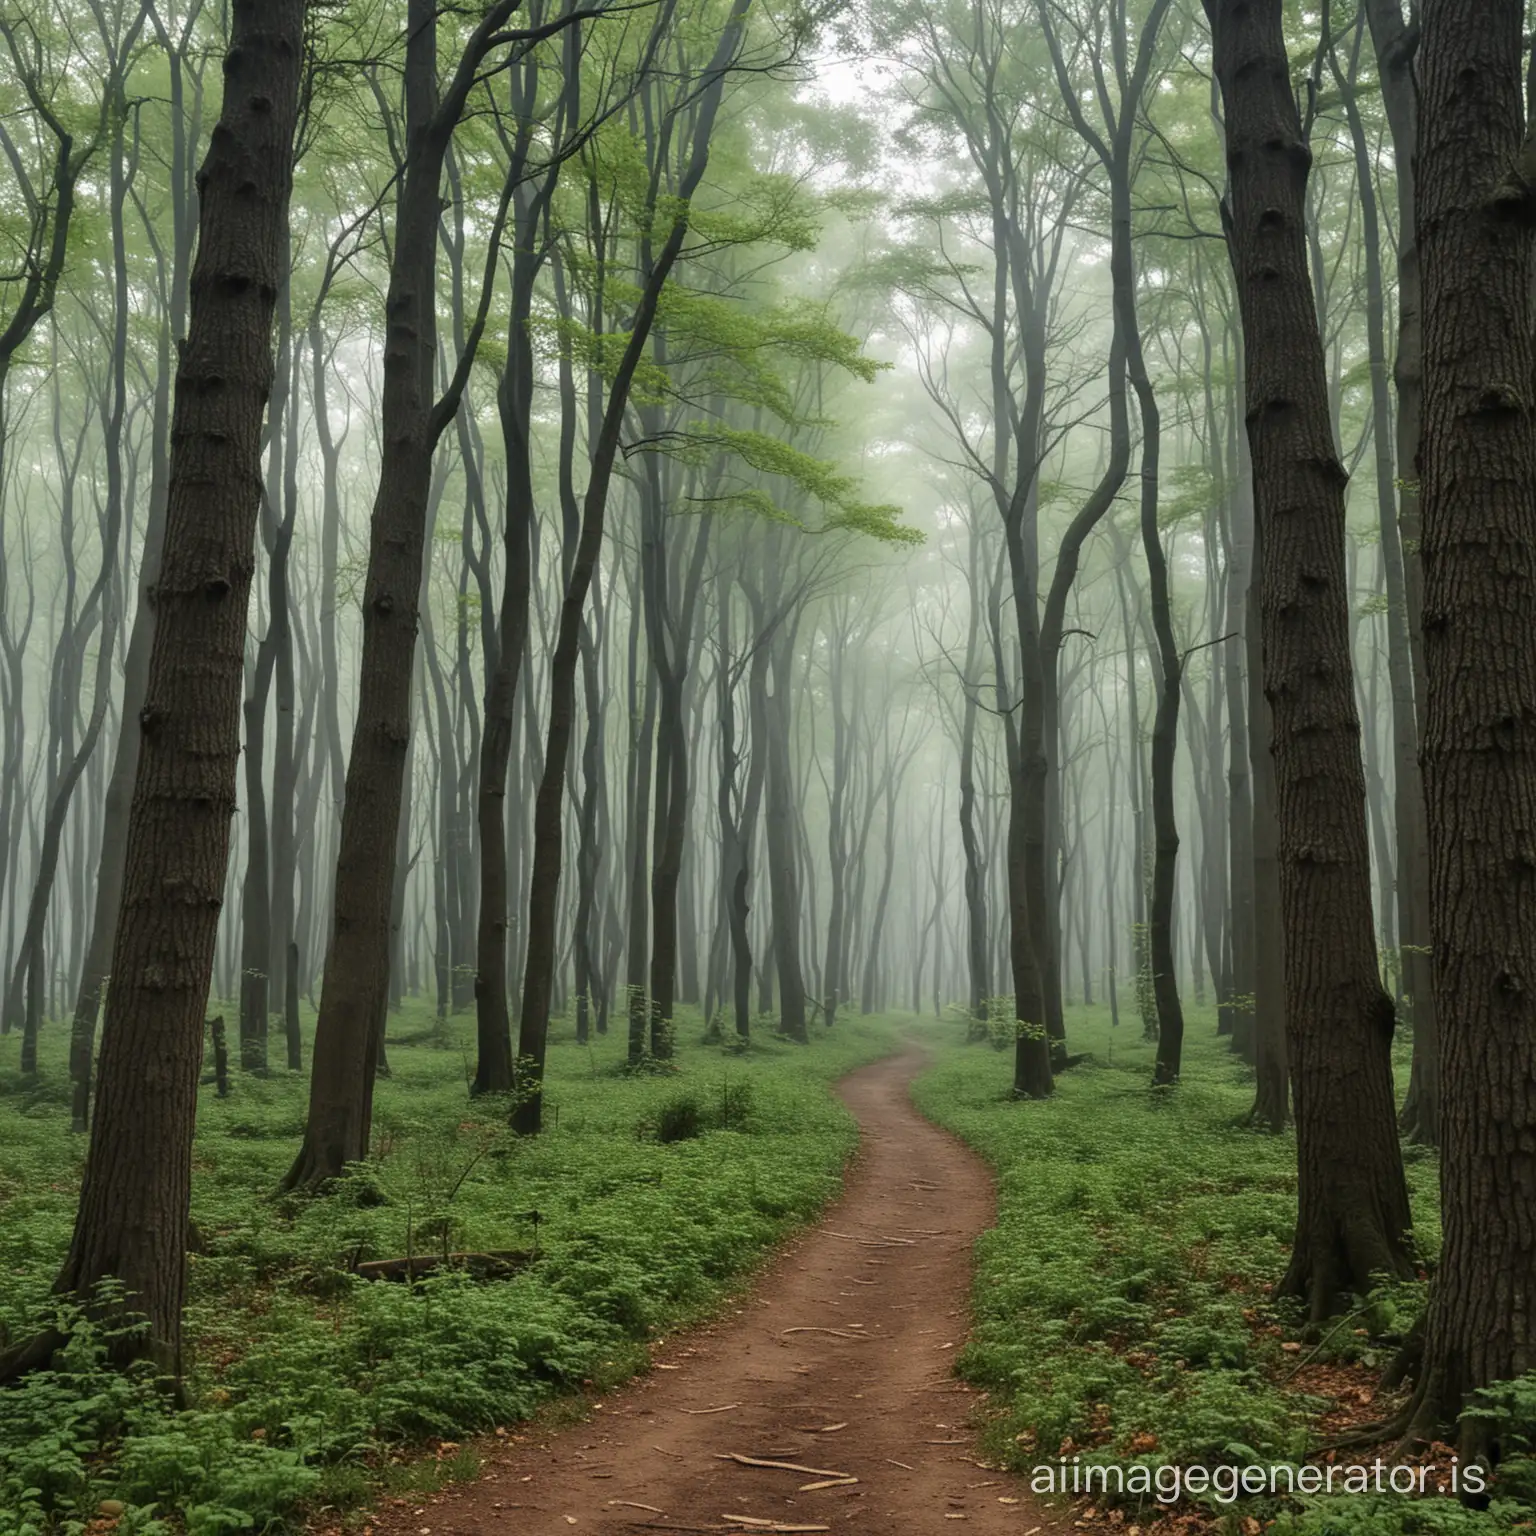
835	1332
723	1408
826	1482
771	1525
497	1264
782	1466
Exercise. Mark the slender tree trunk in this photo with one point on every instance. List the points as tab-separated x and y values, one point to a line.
779	835
1395	43
354	994
544	883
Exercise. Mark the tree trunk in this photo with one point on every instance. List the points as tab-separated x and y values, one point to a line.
1477	461
1395	43
779	836
354	993
544	883
1353	1221
132	1218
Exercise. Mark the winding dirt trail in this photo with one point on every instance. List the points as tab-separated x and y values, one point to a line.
839	1360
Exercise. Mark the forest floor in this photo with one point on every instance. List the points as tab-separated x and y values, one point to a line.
838	1363
1090	1283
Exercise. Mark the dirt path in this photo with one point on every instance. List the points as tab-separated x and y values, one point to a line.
839	1360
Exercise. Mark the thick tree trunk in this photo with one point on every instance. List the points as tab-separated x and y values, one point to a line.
1477	461
1353	1222
132	1219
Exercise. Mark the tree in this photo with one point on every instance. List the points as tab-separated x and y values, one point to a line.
353	997
1477	464
656	263
1353	1222
132	1220
1395	41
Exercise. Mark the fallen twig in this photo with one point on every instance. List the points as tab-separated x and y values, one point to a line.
771	1525
826	1482
836	1332
723	1408
782	1466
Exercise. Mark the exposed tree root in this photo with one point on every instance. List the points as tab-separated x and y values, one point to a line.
1407	1364
33	1354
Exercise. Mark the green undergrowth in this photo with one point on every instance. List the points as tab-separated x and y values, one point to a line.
648	1198
1122	1308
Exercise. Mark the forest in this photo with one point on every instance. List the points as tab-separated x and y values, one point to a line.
726	722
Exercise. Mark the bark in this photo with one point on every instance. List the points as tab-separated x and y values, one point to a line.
1353	1221
1477	462
132	1218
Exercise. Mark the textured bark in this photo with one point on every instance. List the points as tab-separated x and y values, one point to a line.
132	1218
1353	1220
1477	462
